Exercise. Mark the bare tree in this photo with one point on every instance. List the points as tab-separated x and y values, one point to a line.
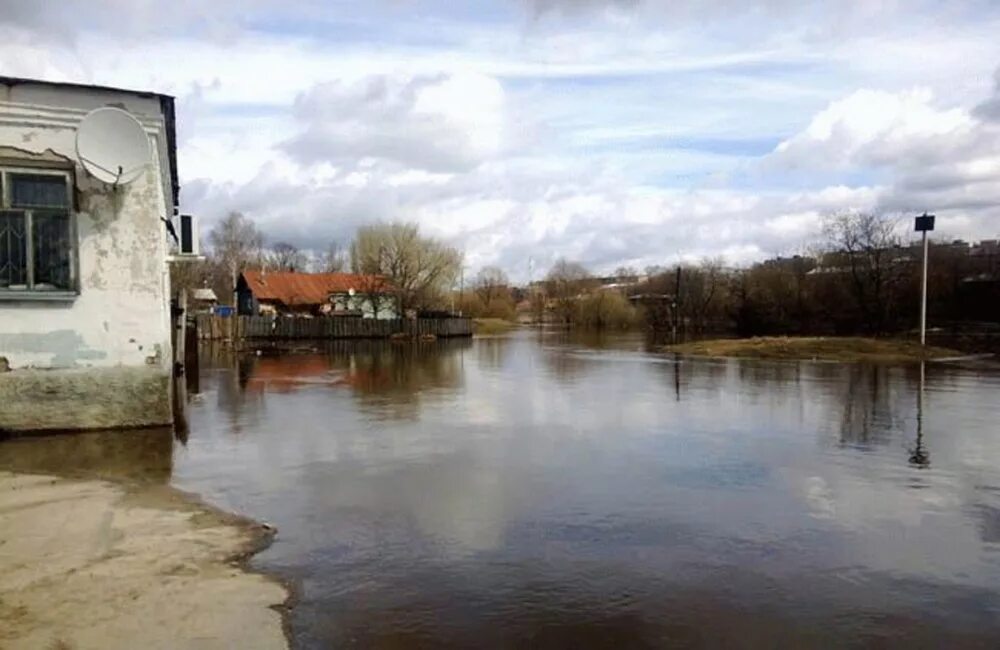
332	259
491	283
236	246
420	269
868	245
700	291
286	257
626	273
565	282
189	275
374	289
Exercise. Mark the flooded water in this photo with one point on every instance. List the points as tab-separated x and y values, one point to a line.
534	491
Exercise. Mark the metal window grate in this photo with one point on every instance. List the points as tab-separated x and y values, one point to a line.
37	238
51	250
13	251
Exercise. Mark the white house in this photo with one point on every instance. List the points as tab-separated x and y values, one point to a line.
85	316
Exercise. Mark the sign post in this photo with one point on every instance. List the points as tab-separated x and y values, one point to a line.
924	224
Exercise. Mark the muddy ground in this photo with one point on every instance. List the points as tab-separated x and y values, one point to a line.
88	563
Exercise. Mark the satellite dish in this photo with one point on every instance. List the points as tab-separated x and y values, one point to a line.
112	146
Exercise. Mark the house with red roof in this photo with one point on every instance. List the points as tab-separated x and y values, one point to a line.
315	294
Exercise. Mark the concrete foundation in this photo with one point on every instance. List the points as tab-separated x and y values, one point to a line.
83	398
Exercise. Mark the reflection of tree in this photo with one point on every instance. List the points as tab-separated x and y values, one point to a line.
228	373
564	365
387	377
390	378
767	375
989	523
867	418
684	374
490	352
563	355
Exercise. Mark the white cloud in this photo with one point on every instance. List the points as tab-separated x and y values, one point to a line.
639	132
874	128
439	124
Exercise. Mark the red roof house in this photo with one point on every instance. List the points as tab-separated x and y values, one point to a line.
290	292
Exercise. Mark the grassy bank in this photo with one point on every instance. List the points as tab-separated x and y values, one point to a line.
490	326
816	348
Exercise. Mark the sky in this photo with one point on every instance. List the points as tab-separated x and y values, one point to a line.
609	132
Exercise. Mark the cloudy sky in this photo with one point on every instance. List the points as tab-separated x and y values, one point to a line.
607	131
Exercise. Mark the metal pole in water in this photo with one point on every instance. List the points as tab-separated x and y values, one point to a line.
923	298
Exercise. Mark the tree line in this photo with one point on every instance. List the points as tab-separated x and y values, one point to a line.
420	270
859	279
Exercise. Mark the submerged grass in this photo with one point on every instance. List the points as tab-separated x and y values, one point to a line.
822	348
490	326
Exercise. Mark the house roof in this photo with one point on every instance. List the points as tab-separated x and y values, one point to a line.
205	294
292	288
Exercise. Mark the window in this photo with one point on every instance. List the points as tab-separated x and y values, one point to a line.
37	240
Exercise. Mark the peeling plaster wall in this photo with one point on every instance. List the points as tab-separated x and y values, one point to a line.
121	318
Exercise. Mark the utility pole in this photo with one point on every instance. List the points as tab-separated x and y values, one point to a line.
924	224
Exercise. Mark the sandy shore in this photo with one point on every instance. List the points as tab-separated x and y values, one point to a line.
93	564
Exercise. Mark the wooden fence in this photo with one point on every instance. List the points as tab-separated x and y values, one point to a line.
213	327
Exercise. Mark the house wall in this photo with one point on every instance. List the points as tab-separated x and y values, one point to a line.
366	305
117	330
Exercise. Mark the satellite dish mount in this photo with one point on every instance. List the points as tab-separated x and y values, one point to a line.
112	146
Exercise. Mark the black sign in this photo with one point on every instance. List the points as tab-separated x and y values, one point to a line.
924	223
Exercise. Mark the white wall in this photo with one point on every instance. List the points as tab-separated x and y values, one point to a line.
364	304
121	316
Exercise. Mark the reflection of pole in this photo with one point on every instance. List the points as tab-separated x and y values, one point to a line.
923	305
677	377
919	456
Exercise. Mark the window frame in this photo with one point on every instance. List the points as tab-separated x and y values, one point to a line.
7	169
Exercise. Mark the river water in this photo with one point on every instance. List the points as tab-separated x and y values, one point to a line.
548	492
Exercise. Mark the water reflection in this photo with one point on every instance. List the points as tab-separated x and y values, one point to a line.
144	455
544	490
541	491
492	352
388	379
919	456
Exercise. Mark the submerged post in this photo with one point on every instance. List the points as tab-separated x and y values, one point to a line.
924	224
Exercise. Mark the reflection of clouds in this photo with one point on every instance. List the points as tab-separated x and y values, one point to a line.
820	498
861	502
546	449
452	498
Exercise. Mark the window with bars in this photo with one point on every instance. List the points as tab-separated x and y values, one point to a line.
37	239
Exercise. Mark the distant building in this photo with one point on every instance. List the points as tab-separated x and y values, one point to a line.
85	319
203	299
315	294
